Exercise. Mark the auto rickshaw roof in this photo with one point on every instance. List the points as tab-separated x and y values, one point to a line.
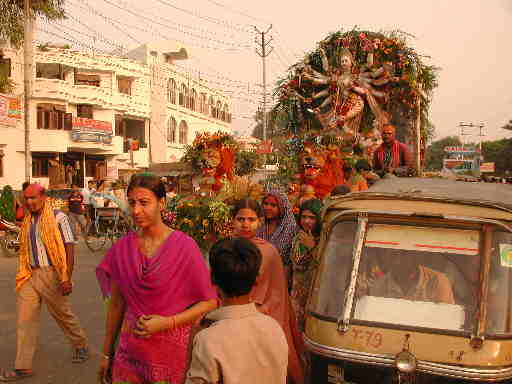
491	196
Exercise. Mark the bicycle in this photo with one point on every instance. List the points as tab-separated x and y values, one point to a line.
108	224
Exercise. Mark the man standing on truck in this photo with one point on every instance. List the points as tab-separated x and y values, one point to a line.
392	156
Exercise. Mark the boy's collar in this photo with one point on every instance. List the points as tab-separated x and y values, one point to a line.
233	312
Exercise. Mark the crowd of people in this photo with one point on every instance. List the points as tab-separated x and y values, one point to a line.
171	319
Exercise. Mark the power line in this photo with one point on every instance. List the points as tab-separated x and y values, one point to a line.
223	23
149	22
175	28
208	32
107	19
230	8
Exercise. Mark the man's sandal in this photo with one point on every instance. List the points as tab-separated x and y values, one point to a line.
15	375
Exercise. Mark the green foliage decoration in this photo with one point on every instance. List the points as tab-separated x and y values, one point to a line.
7	200
417	80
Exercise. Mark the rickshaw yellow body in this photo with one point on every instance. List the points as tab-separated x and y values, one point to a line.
437	353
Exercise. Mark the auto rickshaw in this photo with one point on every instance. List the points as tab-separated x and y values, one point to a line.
414	285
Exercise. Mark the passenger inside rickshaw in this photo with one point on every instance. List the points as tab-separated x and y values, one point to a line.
409	275
402	274
418	268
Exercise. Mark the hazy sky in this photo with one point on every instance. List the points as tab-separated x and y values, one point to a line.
469	40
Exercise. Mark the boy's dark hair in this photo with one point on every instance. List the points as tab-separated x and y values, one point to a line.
24	185
235	264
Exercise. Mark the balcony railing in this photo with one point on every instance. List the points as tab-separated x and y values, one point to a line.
85	94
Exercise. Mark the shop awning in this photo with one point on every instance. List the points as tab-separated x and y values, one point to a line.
171	169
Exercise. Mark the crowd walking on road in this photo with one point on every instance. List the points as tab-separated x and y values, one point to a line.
170	317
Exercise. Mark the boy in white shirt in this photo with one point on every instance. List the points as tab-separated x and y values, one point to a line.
241	345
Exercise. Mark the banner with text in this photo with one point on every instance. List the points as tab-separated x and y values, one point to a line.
10	110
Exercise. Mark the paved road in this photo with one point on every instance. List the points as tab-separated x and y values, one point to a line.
52	362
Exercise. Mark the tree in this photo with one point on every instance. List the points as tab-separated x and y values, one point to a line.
498	152
12	16
12	19
435	152
274	128
508	125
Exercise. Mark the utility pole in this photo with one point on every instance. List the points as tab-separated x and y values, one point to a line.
480	127
263	53
28	59
471	125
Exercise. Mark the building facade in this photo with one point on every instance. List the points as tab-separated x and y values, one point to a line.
103	117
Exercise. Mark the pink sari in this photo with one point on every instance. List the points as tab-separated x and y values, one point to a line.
171	281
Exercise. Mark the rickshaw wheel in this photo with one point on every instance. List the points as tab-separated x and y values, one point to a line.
94	241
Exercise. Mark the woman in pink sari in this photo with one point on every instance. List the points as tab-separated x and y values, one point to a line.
270	293
158	285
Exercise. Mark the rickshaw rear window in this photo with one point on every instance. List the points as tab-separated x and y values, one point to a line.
419	277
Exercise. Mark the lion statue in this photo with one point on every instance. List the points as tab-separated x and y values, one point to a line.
321	166
213	156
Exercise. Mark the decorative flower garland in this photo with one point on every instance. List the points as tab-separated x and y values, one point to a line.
415	80
204	141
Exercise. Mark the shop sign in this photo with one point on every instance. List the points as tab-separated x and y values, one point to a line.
265	147
458	165
90	130
10	110
461	150
487	168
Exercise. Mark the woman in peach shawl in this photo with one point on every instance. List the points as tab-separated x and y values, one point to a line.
271	290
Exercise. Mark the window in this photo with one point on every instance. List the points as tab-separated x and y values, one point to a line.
50	71
203	104
427	272
92	167
84	79
193	100
183	95
53	116
211	104
119	127
183	132
171	130
225	113
5	66
40	166
218	110
84	110
124	85
171	91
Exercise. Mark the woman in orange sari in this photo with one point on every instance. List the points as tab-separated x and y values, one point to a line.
271	290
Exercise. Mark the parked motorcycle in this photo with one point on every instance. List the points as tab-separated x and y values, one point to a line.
9	238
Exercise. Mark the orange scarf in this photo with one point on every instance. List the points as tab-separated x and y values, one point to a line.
52	239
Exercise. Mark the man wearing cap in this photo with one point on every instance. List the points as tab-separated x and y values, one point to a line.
46	261
392	156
